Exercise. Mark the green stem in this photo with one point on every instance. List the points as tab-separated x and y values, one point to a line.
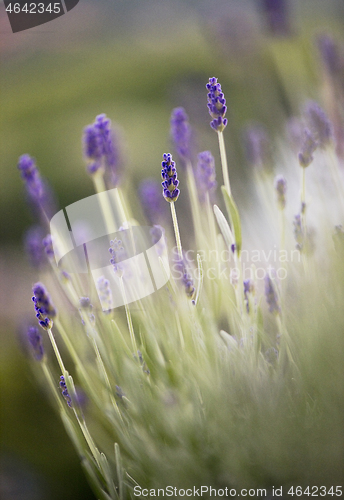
57	352
224	162
176	230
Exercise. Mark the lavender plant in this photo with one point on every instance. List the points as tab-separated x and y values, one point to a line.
214	385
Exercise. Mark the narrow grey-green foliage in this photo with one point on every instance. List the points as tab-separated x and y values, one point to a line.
217	392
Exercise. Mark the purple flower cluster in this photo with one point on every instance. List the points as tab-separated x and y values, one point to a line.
118	254
65	392
329	54
319	124
216	105
181	134
33	246
105	295
150	196
281	189
205	174
271	295
35	340
298	232
248	289
308	147
48	246
100	146
169	175
44	308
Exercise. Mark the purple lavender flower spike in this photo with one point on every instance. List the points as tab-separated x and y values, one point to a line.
271	295
118	254
170	182
319	124
65	392
44	307
298	232
249	288
100	147
105	295
257	146
216	105
281	189
205	175
153	204
48	246
35	340
329	54
308	147
181	134
33	246
277	16
185	278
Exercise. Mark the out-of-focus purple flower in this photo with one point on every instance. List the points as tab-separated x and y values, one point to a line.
85	303
185	277
276	12
271	295
39	193
249	288
105	295
35	340
101	148
294	129
33	246
48	246
118	254
181	134
319	124
216	105
153	204
281	189
65	392
44	307
298	232
257	146
169	175
205	174
329	54
309	145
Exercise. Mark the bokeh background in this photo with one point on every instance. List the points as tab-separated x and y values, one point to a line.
134	61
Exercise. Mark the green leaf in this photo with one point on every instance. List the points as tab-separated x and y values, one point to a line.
234	218
224	227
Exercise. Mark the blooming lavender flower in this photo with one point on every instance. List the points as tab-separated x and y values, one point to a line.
298	232
65	392
277	16
44	307
216	105
105	295
85	303
329	54
39	193
308	147
185	278
35	340
281	189
271	295
319	124
118	254
181	134
169	175
33	246
205	175
249	288
48	246
100	147
150	196
257	146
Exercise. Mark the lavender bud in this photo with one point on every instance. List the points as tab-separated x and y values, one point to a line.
205	175
329	54
216	105
181	134
308	147
101	148
249	288
44	307
35	340
150	196
142	363
257	146
85	303
319	124
277	16
33	246
281	189
118	254
104	292
170	182
65	392
48	246
271	295
298	232
186	279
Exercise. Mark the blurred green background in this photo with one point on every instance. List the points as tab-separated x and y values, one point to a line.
134	61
